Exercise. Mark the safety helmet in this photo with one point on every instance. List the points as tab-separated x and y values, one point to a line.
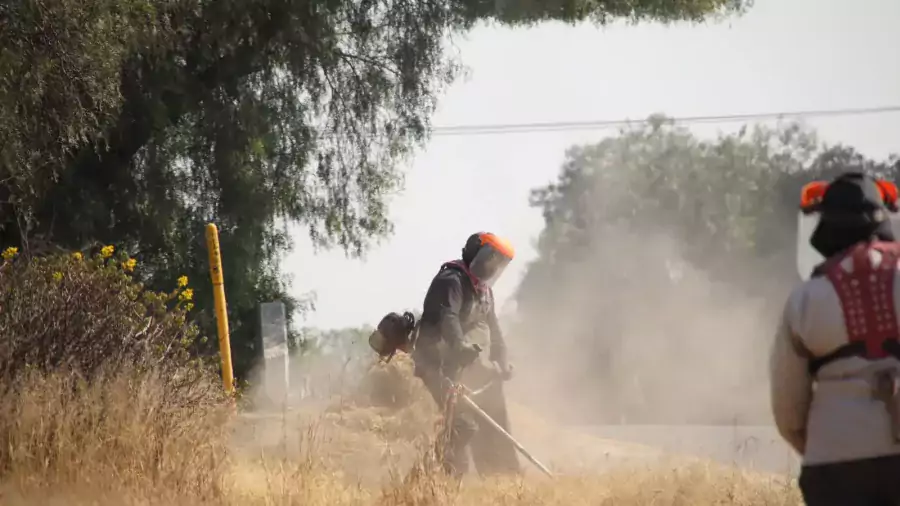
853	201
487	255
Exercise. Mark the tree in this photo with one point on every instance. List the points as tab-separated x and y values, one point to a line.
136	122
663	260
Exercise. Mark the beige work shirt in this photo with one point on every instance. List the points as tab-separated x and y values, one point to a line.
834	418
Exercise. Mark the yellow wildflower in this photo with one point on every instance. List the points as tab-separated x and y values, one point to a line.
77	256
186	295
182	281
189	306
107	251
57	276
10	252
129	264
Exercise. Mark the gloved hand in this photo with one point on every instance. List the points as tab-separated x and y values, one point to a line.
466	353
504	370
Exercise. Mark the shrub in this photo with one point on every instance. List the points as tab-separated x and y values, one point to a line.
65	311
97	382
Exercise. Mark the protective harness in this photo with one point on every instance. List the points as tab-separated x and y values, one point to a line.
867	302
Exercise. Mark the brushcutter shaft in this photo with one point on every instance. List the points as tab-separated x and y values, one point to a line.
507	435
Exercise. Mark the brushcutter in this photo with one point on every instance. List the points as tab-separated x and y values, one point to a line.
460	391
397	332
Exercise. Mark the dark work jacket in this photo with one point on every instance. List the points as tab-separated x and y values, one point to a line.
452	308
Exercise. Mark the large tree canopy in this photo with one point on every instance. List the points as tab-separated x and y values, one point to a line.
663	263
135	122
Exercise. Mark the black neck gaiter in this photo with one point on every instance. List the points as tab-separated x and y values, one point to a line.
830	238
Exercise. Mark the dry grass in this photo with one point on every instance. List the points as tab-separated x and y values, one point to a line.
118	442
111	435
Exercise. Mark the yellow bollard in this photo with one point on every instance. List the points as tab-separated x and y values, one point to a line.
218	282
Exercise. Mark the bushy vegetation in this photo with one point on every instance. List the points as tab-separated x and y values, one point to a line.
97	382
70	312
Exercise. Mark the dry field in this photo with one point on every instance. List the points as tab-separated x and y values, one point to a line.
116	442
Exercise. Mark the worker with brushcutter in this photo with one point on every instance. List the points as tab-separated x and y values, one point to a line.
460	341
835	362
460	355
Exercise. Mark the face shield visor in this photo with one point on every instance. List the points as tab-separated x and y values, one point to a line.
808	219
491	260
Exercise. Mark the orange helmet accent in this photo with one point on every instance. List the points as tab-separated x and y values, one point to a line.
812	193
501	245
888	191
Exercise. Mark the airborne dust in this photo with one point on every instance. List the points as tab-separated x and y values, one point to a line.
633	334
636	334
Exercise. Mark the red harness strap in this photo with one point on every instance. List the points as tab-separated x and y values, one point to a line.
459	265
867	302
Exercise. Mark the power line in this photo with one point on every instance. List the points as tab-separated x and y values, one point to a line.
562	126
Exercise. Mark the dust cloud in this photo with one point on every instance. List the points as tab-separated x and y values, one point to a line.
635	329
313	380
315	418
634	333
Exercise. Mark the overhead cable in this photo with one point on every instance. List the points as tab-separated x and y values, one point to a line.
561	126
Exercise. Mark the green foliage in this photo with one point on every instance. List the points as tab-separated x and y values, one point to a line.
632	214
60	63
63	312
135	123
604	11
729	201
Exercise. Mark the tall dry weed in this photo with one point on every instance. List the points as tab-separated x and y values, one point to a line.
119	441
129	431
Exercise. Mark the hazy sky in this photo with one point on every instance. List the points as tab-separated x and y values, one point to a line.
784	55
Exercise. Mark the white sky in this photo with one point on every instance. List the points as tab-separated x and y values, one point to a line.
784	55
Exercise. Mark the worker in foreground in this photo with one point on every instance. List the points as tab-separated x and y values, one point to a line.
839	332
459	339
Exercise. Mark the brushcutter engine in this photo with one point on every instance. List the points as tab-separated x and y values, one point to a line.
394	333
